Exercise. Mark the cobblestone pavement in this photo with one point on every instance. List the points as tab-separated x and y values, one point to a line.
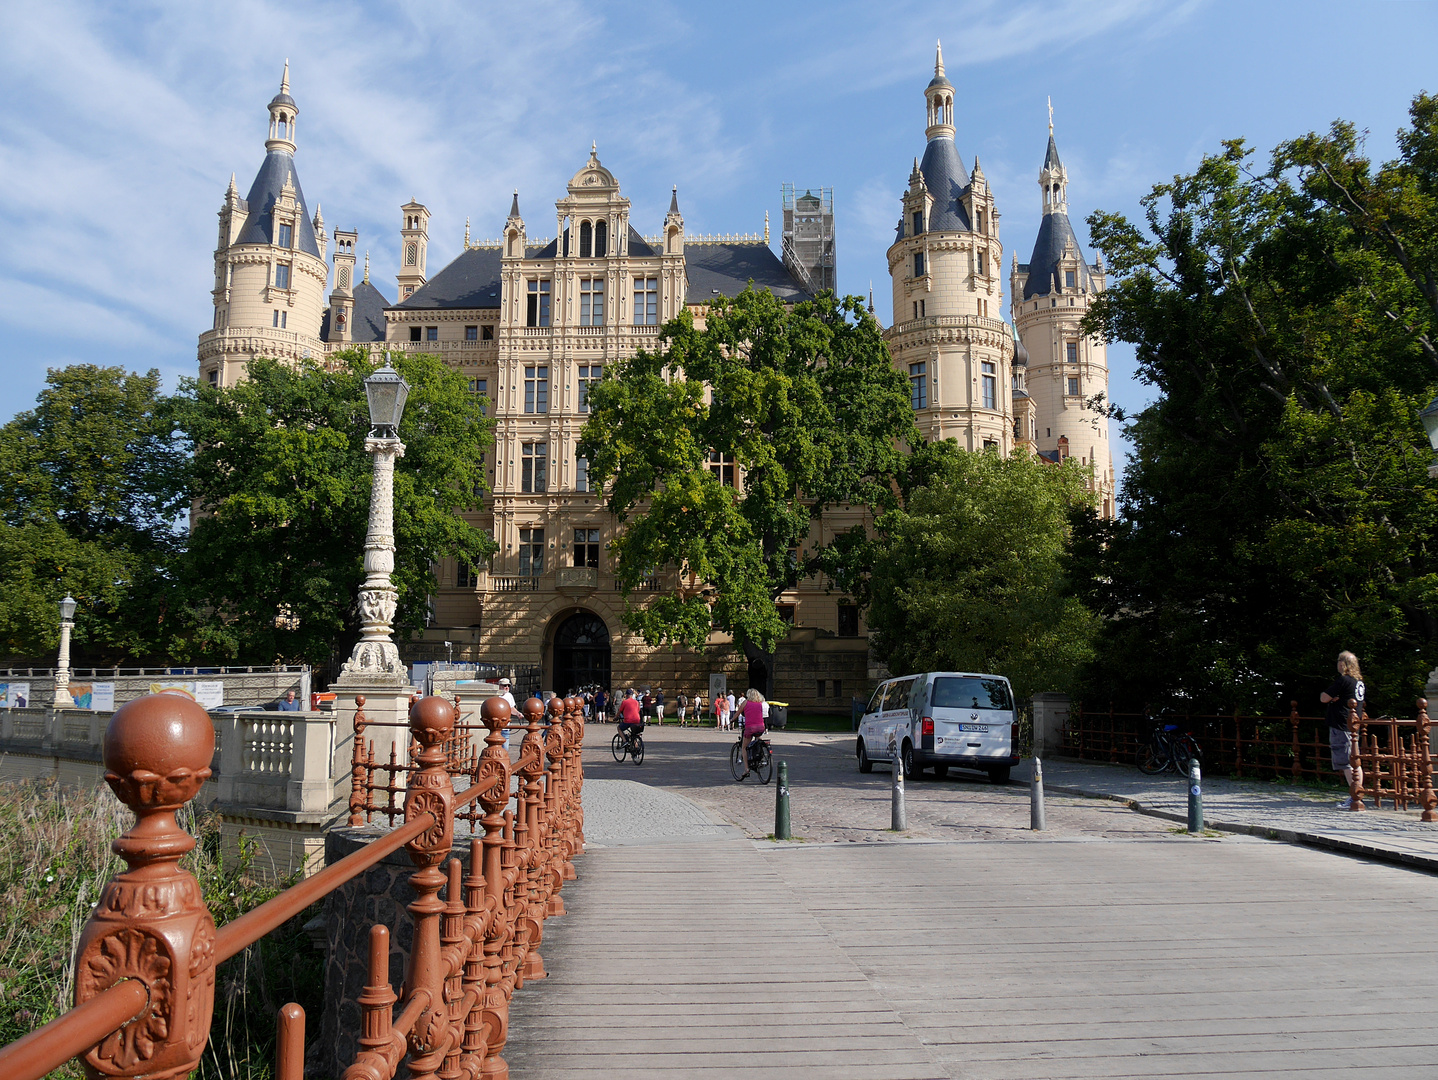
830	800
619	812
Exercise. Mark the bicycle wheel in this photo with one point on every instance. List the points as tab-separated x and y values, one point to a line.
1153	757
764	767
1184	751
736	762
616	747
636	752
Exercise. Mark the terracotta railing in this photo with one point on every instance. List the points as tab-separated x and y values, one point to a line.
1394	755
145	965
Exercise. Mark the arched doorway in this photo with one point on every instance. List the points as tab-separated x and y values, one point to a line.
581	652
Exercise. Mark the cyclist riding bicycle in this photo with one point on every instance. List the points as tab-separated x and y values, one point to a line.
630	722
753	713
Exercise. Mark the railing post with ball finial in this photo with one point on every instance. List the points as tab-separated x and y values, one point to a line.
492	777
1426	796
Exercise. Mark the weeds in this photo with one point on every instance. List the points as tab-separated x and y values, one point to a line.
54	861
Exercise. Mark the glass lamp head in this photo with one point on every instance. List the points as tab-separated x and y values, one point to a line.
67	608
386	392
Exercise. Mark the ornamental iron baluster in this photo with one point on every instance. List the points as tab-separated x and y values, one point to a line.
1426	797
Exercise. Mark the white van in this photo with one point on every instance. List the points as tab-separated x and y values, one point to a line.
941	720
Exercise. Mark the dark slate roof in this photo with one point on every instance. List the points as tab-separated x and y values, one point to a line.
946	177
279	165
1050	455
1021	354
1055	233
725	269
368	318
470	281
637	246
1051	158
283	98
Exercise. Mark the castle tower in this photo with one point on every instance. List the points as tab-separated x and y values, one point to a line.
1066	371
270	271
342	298
414	248
945	263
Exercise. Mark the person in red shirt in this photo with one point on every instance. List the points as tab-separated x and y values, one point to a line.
630	722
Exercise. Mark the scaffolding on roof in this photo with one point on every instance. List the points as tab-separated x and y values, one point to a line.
808	237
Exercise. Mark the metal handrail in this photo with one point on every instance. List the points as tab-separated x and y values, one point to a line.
47	1048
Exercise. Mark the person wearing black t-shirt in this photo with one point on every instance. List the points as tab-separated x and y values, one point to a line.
1347	687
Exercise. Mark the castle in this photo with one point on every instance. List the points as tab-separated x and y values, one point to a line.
533	323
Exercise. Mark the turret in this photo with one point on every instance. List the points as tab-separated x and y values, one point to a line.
342	298
283	113
413	245
939	96
674	225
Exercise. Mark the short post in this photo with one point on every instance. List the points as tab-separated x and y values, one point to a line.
1195	797
781	803
899	817
1036	797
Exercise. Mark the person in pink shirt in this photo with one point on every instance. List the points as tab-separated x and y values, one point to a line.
753	713
721	712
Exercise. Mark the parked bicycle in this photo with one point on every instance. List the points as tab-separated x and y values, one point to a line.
628	745
1168	748
761	758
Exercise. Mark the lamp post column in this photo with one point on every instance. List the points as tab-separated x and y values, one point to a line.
63	700
375	652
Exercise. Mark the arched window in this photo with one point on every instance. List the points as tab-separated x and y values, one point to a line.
284	126
601	239
586	240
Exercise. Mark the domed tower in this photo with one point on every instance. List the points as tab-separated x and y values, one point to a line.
1066	371
946	266
270	270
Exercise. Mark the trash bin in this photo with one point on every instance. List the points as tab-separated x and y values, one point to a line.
778	715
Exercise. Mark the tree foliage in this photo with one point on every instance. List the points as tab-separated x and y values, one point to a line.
91	483
1276	508
282	491
806	406
972	574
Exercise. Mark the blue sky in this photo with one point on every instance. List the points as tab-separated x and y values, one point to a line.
123	122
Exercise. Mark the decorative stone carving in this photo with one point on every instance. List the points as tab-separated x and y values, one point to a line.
151	923
375	657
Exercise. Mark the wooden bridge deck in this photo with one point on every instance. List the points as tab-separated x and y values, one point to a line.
1170	957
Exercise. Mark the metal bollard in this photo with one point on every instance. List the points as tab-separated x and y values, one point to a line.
1036	796
781	803
899	818
1195	797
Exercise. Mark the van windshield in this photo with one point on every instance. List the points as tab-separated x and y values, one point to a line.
952	693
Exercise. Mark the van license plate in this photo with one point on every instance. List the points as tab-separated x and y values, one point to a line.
983	729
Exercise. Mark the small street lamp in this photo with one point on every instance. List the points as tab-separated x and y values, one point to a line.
375	656
63	700
1429	417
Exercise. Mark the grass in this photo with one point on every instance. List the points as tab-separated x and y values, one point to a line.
54	861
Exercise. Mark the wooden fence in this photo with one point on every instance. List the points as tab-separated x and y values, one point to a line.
1394	754
145	967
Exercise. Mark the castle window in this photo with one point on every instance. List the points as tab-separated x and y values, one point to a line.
591	301
919	386
411	254
586	240
414	333
480	389
1073	386
848	625
534	474
531	552
581	474
918	264
983	220
215	377
1071	351
823	685
983	264
282	275
276	321
536	389
918	222
722	466
486	333
989	384
538	311
342	277
589	374
586	547
1069	279
646	301
286	236
431	333
601	239
464	575
471	333
786	614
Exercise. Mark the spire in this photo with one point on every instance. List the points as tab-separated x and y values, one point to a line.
938	59
766	226
283	112
674	200
319	218
466	232
1053	177
366	267
514	205
285	78
939	101
871	296
232	191
1051	116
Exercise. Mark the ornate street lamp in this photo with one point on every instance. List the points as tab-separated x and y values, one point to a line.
1429	416
375	656
63	700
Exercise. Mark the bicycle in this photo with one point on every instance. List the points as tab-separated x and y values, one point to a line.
761	758
1168	748
625	745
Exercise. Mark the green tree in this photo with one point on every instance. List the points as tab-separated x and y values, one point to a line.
1276	508
92	482
972	574
805	405
282	488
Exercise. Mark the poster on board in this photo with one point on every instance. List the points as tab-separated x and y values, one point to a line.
718	684
102	696
17	694
82	694
210	694
186	688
